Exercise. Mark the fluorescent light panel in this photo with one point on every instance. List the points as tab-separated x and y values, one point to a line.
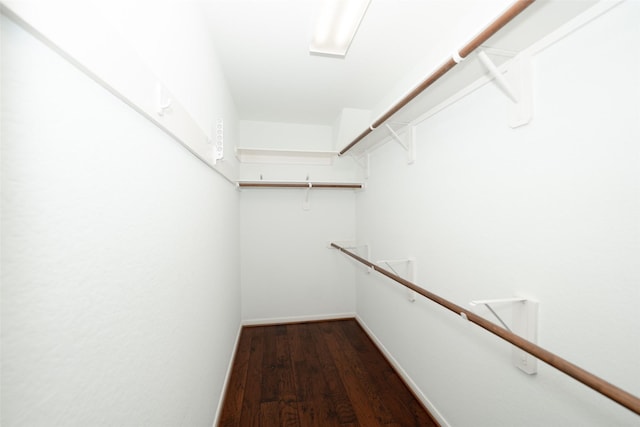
337	25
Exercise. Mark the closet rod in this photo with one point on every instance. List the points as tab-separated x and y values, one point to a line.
298	185
493	28
603	387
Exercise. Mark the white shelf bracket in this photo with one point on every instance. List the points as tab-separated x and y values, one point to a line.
500	79
408	143
520	74
410	272
524	322
363	250
364	162
517	85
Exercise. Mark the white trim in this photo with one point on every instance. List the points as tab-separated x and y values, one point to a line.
227	377
297	319
403	374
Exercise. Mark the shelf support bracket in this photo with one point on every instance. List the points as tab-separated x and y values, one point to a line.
524	323
500	79
363	250
516	85
410	273
364	162
408	143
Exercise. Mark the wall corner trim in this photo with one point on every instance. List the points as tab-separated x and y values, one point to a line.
227	377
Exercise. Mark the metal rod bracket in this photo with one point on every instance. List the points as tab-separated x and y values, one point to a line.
409	273
524	322
618	395
516	84
408	142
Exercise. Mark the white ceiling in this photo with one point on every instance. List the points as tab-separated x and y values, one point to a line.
263	48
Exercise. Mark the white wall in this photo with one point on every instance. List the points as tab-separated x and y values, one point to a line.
548	211
288	272
285	136
172	38
135	48
120	280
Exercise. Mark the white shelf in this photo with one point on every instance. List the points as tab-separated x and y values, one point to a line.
305	185
537	27
285	157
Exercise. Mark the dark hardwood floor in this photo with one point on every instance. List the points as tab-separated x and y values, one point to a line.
316	374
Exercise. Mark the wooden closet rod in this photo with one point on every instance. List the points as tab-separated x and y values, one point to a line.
603	387
493	28
297	185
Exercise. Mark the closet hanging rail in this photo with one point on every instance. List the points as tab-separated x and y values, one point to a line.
603	387
246	184
493	28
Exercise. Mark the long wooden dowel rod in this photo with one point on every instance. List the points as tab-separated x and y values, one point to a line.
603	387
297	185
493	28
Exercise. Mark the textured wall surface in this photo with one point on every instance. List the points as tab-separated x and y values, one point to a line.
548	211
120	283
287	269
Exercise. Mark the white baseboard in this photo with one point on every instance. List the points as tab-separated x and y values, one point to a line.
227	377
297	319
403	374
267	321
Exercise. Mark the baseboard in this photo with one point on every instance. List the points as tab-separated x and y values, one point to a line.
297	319
227	377
267	321
403	374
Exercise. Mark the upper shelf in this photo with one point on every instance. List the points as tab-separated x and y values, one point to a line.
531	25
285	157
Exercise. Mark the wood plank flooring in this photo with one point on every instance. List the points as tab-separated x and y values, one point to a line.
316	374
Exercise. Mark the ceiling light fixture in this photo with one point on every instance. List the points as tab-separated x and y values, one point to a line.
337	25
